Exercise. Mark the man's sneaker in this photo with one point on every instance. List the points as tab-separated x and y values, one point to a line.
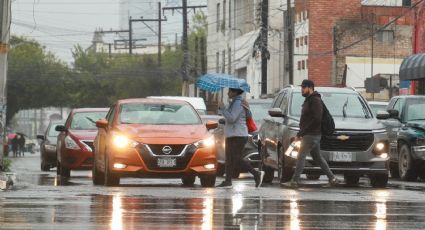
225	184
333	182
259	178
291	184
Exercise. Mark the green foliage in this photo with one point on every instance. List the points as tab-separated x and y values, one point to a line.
5	165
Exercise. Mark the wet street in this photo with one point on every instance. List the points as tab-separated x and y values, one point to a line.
38	202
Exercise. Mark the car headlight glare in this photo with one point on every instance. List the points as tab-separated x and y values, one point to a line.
121	141
381	147
205	143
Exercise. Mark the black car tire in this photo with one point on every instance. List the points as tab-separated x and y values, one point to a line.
110	178
351	179
208	180
268	171
188	180
313	176
378	180
394	170
58	168
286	174
44	167
407	167
98	177
220	169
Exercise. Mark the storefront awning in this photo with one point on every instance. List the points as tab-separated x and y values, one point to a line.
413	67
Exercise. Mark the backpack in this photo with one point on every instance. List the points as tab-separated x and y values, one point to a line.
328	124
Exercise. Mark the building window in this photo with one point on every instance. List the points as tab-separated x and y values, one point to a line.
299	65
223	60
297	42
217	62
230	14
305	40
301	41
223	27
218	17
306	14
303	64
385	36
306	64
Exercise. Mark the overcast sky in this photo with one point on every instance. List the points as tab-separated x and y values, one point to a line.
60	24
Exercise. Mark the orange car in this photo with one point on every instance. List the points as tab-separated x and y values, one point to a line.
154	138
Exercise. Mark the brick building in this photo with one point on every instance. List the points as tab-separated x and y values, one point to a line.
337	42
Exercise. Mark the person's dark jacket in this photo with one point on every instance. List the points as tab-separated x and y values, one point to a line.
311	116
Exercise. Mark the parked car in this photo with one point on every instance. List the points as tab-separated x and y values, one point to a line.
48	157
154	138
197	102
406	129
259	108
75	141
359	145
378	106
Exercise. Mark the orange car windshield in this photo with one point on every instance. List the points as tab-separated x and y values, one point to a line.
158	114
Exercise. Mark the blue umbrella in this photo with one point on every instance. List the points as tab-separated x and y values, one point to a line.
214	82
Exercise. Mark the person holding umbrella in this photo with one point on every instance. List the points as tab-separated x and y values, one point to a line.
236	134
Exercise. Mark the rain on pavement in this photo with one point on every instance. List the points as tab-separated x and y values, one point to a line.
39	202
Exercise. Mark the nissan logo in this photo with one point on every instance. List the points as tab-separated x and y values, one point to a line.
167	149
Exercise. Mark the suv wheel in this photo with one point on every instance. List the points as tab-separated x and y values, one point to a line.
188	180
207	180
378	180
351	179
268	172
406	165
44	167
394	170
98	177
110	178
285	173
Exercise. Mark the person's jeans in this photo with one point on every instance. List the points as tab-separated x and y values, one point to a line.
311	144
234	156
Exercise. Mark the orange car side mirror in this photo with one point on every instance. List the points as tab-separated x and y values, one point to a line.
211	125
102	123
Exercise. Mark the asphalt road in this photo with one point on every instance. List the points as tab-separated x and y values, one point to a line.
38	202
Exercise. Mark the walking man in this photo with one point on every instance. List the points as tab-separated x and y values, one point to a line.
310	134
236	134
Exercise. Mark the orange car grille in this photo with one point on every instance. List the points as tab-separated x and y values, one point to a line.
161	149
151	159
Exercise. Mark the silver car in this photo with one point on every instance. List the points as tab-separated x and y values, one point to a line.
359	146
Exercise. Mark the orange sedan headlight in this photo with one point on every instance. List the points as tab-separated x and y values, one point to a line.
205	143
121	141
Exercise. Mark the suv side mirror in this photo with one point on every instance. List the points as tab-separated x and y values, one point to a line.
276	112
102	123
382	115
393	113
211	125
60	128
222	121
41	137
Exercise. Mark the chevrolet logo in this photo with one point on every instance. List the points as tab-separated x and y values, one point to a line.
343	137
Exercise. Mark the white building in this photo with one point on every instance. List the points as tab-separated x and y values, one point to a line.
233	27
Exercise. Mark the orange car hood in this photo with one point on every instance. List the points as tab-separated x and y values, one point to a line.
160	134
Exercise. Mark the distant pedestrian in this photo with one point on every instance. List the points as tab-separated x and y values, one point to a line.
236	133
15	146
21	145
310	134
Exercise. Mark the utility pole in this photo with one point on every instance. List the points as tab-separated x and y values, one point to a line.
185	47
264	44
130	36
5	17
290	41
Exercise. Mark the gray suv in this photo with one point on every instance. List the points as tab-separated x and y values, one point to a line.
359	146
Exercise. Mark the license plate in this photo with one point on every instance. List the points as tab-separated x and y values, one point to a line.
166	162
342	156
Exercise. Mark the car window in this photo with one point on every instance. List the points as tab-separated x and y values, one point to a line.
278	100
355	106
52	132
86	120
399	106
111	115
415	109
158	114
284	104
376	107
259	111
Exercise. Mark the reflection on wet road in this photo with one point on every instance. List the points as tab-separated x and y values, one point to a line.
122	212
39	202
